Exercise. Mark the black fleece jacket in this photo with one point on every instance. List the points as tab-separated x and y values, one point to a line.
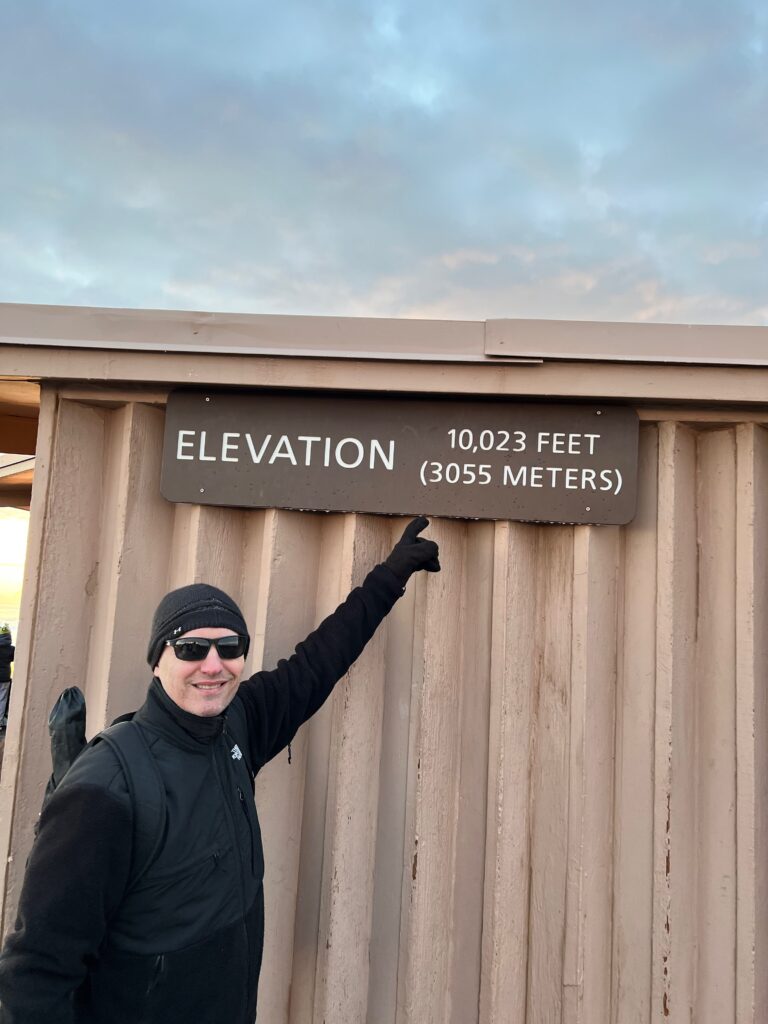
184	944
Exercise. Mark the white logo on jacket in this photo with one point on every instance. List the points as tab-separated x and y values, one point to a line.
237	754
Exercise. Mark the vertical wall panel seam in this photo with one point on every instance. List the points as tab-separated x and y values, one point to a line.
660	942
760	725
508	785
621	551
745	818
573	903
695	867
567	760
675	851
617	562
486	971
716	716
533	746
407	819
111	543
327	852
459	769
734	431
411	797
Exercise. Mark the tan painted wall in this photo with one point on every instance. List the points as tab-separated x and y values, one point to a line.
539	797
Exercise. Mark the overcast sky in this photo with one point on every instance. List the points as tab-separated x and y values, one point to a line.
462	158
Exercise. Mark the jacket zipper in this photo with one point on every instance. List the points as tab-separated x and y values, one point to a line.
233	827
156	974
231	818
244	809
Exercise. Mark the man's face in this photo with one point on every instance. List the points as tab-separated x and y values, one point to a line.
203	688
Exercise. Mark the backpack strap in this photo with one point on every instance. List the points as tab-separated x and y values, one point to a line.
146	789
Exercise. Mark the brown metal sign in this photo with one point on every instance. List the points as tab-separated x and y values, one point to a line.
470	459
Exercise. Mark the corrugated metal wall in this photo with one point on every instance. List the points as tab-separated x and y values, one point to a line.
540	795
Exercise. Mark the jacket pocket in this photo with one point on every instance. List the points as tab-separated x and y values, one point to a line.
177	904
206	982
210	856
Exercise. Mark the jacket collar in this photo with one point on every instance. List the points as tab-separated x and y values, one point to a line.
162	715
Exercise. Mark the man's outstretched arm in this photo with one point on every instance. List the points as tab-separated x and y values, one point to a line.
278	702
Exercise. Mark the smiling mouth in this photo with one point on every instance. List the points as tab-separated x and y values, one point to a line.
210	687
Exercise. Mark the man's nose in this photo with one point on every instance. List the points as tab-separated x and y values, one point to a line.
212	662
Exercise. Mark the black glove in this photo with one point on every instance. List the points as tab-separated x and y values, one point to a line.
412	552
66	725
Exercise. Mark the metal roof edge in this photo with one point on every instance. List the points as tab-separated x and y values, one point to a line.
324	337
262	350
605	341
370	338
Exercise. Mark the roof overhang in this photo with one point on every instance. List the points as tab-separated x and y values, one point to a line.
85	350
360	338
597	341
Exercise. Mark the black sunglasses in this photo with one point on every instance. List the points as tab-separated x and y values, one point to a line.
195	648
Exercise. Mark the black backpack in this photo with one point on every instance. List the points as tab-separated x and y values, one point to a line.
126	739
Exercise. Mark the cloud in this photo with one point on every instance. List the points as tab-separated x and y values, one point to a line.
470	160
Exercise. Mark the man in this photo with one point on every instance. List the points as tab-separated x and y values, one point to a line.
183	941
6	657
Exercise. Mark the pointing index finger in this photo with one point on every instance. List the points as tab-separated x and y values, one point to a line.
420	523
413	529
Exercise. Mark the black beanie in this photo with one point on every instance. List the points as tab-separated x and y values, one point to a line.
191	607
